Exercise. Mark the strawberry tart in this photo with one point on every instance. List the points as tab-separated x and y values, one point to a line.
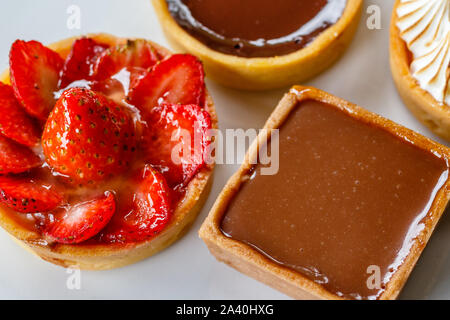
105	148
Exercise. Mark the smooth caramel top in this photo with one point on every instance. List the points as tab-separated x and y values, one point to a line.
348	195
256	28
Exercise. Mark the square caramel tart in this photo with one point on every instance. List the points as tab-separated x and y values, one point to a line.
93	256
247	259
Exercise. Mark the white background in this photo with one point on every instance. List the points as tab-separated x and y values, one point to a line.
186	270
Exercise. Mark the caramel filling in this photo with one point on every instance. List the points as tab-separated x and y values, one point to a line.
348	195
256	28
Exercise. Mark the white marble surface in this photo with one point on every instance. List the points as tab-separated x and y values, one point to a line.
186	270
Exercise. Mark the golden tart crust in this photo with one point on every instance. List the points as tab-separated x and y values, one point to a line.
109	256
434	115
266	73
247	260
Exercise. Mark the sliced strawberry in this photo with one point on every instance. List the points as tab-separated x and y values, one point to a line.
83	221
88	137
177	141
81	61
35	73
29	196
135	53
179	79
14	121
143	214
15	158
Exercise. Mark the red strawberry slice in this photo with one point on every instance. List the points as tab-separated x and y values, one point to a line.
15	158
142	214
35	73
83	221
81	61
14	121
88	137
179	79
28	195
177	141
135	53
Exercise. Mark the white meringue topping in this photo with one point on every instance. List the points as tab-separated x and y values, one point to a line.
425	27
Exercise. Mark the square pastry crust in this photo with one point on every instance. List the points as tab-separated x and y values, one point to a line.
253	250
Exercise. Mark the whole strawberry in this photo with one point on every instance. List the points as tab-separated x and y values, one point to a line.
87	137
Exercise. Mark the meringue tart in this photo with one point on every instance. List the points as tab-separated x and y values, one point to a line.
90	182
260	45
348	211
420	58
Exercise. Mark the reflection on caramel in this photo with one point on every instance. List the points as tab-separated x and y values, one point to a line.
348	195
256	28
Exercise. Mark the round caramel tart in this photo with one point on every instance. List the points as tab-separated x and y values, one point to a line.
420	58
261	44
104	146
